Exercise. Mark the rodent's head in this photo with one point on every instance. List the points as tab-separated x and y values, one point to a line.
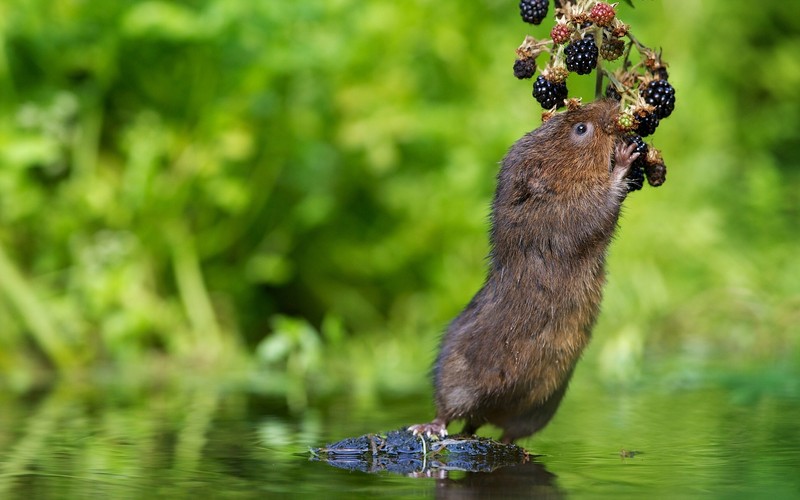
569	155
556	190
585	138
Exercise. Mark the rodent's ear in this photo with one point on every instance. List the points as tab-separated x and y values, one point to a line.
582	132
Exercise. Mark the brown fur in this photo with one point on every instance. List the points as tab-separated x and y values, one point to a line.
508	357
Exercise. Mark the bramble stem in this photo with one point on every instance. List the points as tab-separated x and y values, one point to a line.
598	84
636	42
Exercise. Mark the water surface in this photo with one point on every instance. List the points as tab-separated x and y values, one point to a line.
737	436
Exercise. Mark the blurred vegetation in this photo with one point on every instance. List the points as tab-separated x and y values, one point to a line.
302	188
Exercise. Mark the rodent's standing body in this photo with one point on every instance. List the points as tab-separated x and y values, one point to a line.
508	357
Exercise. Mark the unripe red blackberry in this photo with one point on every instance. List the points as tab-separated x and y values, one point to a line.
533	11
524	68
612	49
560	33
549	94
582	55
602	14
661	95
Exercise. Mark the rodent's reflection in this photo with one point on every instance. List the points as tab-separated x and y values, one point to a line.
527	480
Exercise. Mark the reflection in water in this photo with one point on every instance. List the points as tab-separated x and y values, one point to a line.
183	438
530	480
32	440
109	440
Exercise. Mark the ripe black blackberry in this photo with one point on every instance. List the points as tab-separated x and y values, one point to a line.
549	94
641	147
533	11
646	123
636	173
656	173
635	178
524	68
611	93
661	95
582	55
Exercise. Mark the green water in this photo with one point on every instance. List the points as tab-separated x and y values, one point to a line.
730	436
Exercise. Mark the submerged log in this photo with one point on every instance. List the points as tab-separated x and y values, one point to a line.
402	452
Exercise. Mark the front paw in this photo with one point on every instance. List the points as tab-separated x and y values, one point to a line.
624	156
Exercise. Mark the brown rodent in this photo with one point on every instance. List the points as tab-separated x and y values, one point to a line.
508	357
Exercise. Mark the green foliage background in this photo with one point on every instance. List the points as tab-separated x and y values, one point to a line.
301	188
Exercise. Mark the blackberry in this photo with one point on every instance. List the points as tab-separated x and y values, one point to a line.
555	73
661	95
625	121
549	94
612	49
524	68
533	11
641	147
637	171
582	55
611	93
646	123
656	173
560	33
602	14
635	178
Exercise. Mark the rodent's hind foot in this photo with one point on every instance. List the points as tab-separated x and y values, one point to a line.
437	427
624	156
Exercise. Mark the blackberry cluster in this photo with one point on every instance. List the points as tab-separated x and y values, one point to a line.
549	94
587	35
582	55
661	95
533	11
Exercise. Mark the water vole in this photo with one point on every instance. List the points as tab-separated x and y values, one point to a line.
508	357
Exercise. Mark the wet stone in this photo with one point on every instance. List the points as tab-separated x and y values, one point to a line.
402	452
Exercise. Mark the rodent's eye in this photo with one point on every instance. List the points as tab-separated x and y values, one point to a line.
582	131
